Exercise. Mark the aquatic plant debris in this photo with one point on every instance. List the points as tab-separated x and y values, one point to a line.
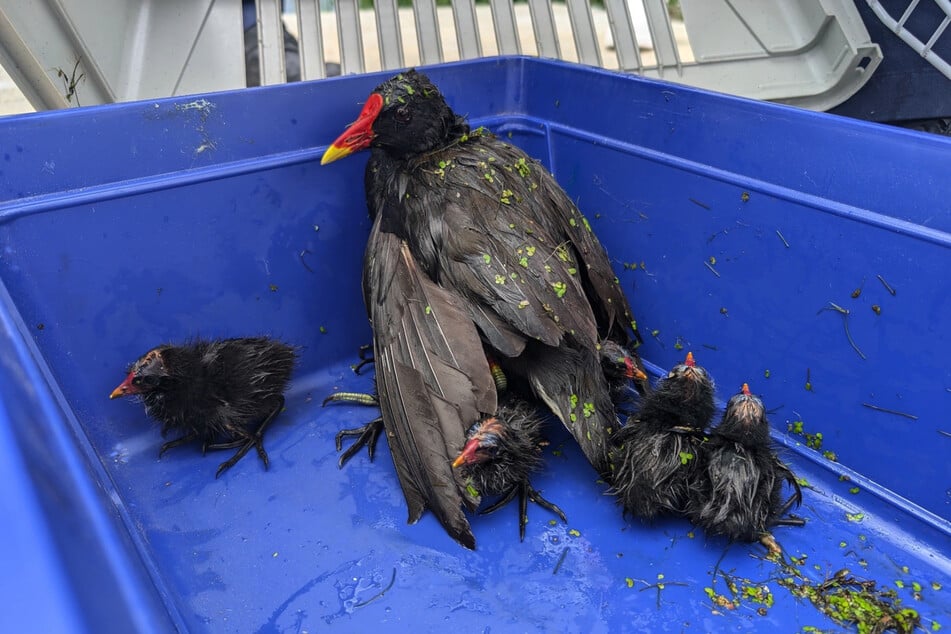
848	600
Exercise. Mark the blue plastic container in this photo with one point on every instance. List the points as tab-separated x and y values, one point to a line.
732	223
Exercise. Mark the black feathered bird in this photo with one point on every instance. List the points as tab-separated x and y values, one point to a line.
474	248
656	456
739	492
221	393
501	454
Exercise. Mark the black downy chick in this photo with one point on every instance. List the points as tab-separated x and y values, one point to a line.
222	393
656	455
474	248
739	492
622	373
502	452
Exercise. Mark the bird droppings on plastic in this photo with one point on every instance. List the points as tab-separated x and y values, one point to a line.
204	108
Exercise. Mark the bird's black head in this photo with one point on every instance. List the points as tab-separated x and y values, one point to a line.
145	375
745	420
483	440
690	375
404	115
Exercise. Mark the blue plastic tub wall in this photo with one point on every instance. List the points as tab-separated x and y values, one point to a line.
733	225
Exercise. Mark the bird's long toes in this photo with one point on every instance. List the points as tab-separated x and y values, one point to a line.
245	447
537	498
502	501
366	436
174	443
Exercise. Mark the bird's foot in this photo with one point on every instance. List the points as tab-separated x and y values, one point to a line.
244	446
366	358
367	435
245	443
784	517
187	438
525	492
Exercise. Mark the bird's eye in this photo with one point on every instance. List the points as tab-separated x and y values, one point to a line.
402	114
137	380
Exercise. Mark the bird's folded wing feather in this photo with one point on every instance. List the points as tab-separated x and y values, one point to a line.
433	379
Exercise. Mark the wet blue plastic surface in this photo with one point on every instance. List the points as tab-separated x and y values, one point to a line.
125	226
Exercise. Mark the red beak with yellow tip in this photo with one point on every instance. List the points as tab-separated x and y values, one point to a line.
125	387
746	389
632	371
689	362
467	454
359	135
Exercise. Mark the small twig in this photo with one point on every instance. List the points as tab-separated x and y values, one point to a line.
889	411
782	238
709	346
699	204
944	433
561	560
886	285
301	256
378	594
710	266
845	322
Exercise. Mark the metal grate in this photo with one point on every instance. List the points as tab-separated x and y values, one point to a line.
924	47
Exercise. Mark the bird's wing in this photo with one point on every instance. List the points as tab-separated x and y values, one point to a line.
433	379
482	225
519	247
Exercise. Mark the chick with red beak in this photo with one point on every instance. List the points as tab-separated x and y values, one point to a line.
483	443
500	455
